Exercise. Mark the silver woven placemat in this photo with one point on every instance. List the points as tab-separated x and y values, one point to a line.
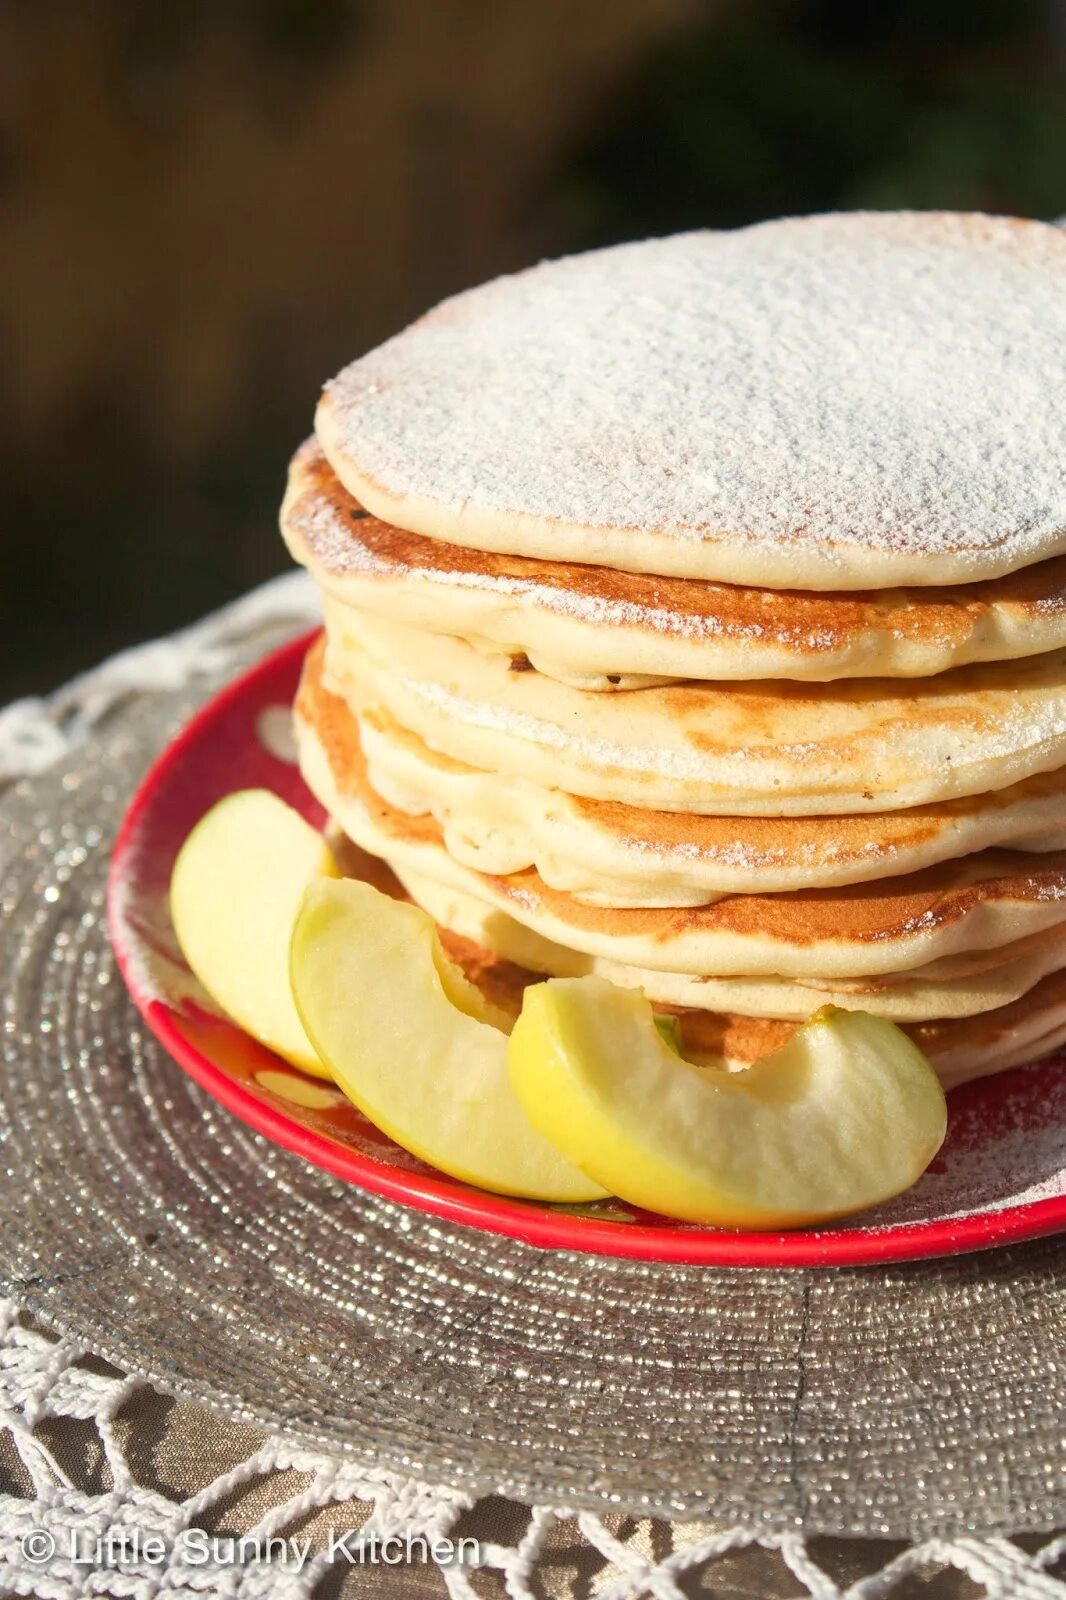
139	1216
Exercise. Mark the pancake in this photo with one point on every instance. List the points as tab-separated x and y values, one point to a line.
828	402
759	749
960	1049
1026	1030
911	997
605	630
981	903
607	853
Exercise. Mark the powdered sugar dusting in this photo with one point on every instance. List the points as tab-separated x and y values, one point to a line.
873	395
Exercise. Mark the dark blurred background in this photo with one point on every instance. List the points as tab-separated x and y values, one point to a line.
208	207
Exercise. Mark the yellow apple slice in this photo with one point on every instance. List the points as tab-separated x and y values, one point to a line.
413	1044
846	1114
234	894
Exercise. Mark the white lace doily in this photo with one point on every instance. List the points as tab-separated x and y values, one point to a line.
90	1454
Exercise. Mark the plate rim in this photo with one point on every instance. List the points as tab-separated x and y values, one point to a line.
529	1222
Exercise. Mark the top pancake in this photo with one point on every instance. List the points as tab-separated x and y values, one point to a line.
835	402
599	629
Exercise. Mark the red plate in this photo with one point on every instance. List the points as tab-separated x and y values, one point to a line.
1001	1176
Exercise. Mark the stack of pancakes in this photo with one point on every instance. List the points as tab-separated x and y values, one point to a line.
696	616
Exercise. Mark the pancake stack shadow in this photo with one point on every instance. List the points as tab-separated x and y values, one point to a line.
684	771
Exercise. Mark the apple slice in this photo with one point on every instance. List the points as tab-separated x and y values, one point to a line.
413	1044
846	1114
234	894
